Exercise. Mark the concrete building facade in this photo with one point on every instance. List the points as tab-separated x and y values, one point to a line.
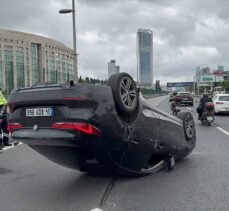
145	57
112	68
27	59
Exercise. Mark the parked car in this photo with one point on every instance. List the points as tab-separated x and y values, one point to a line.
221	103
185	98
84	126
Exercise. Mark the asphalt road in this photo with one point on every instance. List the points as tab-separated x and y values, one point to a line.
28	181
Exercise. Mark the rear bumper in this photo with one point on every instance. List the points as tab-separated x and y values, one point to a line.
220	109
64	147
186	102
46	137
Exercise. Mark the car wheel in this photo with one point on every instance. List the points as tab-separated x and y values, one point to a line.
188	124
190	134
125	93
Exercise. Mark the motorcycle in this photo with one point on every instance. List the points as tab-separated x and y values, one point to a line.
175	107
207	116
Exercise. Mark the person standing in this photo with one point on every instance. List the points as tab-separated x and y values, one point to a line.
3	122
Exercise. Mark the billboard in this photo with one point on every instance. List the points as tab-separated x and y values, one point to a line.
211	78
180	84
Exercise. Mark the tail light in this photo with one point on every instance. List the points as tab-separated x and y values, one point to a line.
81	127
13	125
210	104
219	103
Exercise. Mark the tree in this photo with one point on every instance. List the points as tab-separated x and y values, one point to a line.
80	79
225	85
87	81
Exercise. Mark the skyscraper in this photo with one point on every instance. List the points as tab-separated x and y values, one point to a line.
112	68
145	57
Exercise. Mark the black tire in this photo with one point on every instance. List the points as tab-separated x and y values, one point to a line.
188	124
190	140
191	104
125	93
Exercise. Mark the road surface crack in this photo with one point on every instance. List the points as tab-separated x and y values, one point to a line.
108	190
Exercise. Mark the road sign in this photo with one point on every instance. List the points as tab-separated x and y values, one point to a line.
180	84
207	78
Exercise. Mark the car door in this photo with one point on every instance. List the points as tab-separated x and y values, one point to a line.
171	129
142	141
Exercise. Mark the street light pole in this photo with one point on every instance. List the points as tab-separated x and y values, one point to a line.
194	84
74	43
75	59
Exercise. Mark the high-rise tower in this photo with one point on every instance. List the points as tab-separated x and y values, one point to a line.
145	57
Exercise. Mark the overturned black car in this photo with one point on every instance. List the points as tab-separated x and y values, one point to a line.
82	126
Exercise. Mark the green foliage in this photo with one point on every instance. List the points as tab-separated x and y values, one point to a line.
88	80
225	85
146	91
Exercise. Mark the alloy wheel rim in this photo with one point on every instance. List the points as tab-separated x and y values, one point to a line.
128	93
189	126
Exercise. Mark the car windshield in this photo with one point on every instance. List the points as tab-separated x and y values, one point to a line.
224	98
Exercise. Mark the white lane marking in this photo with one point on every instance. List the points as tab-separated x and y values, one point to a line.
7	148
222	130
96	209
189	108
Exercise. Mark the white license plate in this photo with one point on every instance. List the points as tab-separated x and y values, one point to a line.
209	118
185	98
31	112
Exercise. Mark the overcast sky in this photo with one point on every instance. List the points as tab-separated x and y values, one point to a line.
187	33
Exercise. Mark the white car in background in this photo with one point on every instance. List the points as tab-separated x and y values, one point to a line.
221	103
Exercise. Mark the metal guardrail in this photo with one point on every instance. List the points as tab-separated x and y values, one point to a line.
154	95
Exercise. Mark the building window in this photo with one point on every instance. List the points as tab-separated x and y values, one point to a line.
64	75
8	47
47	67
1	79
9	71
58	69
52	68
35	66
20	69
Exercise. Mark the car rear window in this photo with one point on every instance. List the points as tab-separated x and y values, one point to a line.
224	98
184	94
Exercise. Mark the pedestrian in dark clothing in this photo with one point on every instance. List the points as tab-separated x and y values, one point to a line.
203	100
3	122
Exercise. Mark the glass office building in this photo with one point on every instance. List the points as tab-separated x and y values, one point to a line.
145	57
27	59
